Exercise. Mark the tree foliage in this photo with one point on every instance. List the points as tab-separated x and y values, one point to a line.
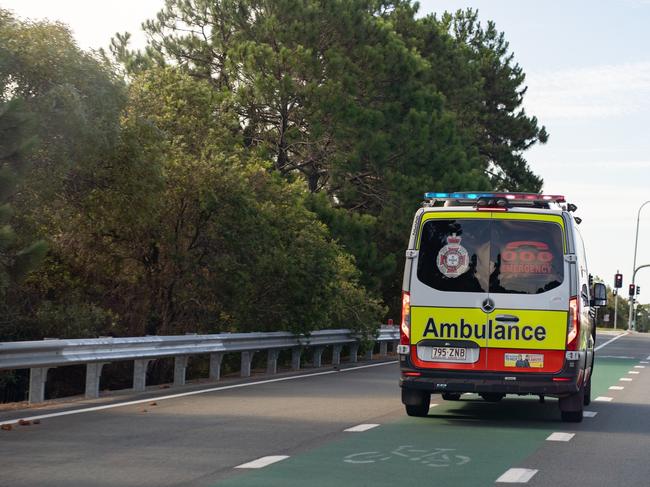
256	167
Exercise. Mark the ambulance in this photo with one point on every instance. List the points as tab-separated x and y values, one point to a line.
497	299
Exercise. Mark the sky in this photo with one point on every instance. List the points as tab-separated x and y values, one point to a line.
587	68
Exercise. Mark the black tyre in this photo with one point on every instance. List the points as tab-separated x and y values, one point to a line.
419	408
451	396
571	407
572	416
492	396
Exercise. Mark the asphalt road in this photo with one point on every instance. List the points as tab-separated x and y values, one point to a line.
200	439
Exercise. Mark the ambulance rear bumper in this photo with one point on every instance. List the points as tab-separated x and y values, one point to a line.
560	384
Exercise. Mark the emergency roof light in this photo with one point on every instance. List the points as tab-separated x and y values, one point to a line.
512	197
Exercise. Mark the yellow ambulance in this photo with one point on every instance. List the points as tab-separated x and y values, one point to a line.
497	299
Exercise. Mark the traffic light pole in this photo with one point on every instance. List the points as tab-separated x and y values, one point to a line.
632	320
615	308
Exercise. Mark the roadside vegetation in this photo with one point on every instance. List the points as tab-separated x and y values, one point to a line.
255	168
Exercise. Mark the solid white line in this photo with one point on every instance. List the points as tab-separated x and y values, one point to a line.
185	394
517	476
263	462
625	379
366	366
639	366
616	388
603	399
432	406
634	372
589	414
611	340
560	436
361	428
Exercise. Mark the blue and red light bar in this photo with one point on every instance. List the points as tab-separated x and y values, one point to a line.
508	196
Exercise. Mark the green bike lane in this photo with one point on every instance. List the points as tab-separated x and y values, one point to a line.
469	442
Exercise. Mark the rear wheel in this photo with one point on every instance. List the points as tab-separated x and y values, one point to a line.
451	396
571	407
418	403
572	416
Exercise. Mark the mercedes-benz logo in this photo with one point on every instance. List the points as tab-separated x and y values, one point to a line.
488	305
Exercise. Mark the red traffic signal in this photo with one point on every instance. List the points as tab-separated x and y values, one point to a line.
618	281
632	289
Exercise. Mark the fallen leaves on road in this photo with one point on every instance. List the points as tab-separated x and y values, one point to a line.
24	422
6	427
153	404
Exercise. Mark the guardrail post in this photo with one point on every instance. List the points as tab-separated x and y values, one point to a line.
180	367
336	354
215	365
383	349
295	358
140	375
93	378
37	380
317	356
354	350
272	361
246	359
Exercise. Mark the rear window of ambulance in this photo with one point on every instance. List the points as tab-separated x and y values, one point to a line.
496	256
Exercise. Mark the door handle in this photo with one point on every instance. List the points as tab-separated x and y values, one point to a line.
507	318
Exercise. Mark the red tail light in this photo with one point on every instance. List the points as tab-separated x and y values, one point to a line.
405	328
573	326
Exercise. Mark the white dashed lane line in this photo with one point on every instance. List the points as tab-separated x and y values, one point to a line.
603	399
560	436
634	372
361	427
263	462
644	362
517	476
639	366
625	379
589	414
616	388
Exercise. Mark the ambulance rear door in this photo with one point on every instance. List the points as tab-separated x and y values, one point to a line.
448	289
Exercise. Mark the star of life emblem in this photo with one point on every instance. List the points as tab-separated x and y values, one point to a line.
453	259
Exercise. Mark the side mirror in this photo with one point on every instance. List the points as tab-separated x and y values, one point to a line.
600	294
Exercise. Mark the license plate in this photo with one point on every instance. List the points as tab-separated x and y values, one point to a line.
449	354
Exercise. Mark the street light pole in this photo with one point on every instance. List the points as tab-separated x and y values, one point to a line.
632	297
631	320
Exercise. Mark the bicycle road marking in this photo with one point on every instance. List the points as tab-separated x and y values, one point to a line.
438	457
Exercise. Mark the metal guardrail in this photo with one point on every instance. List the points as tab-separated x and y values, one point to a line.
40	356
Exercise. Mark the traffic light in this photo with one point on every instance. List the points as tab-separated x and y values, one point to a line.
638	289
618	281
632	289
